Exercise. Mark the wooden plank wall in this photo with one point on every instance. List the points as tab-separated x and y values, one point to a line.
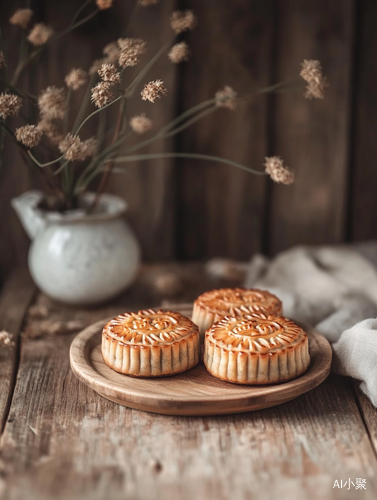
313	135
194	210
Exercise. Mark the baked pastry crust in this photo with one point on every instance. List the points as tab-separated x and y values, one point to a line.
213	305
256	349
150	343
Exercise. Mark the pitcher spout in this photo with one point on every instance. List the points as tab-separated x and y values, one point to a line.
26	207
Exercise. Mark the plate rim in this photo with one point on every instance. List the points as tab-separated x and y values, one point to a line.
81	347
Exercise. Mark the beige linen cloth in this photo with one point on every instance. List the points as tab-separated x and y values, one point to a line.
333	289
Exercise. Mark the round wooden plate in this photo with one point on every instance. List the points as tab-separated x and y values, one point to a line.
194	392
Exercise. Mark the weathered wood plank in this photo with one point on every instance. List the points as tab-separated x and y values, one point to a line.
312	135
62	440
14	301
75	444
368	412
221	208
364	175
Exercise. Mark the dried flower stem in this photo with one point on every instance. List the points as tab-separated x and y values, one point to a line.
187	114
105	155
65	167
62	167
169	130
79	10
128	93
98	111
109	165
66	114
71	27
126	159
24	48
46	177
43	165
84	103
65	183
17	91
101	130
196	118
271	88
94	167
22	64
28	156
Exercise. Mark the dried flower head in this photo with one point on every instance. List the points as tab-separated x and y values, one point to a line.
101	94
226	98
10	105
74	149
39	34
2	59
179	52
146	3
6	338
96	65
152	90
311	72
140	124
182	20
90	146
29	135
277	171
38	311
52	129
130	51
21	17
52	102
104	4
76	78
109	73
111	52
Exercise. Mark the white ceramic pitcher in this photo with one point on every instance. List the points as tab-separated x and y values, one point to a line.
79	258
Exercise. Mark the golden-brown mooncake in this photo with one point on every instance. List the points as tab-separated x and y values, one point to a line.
256	349
213	305
150	343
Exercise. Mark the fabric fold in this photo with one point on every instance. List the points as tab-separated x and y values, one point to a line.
334	290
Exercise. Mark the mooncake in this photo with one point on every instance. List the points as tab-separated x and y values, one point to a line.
256	349
214	305
150	343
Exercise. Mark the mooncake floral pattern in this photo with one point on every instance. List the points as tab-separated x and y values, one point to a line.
149	327
255	333
237	301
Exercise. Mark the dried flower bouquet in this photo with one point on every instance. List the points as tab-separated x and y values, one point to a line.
105	87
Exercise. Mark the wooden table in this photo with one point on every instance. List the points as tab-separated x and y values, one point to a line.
62	440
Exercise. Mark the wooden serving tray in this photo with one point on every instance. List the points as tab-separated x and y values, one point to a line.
194	392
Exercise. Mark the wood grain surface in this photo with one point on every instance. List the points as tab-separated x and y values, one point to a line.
307	133
15	299
63	441
364	174
219	207
75	444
